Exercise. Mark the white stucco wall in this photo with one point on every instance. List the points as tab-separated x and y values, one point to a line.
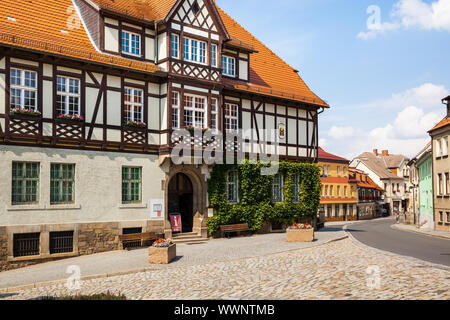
98	176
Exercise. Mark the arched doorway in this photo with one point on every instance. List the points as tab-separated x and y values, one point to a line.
181	200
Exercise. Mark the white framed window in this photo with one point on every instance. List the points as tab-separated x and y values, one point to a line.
445	146
214	55
175	109
277	188
175	46
131	43
68	96
194	50
438	148
134	106
231	117
23	89
194	111
214	114
229	66
233	187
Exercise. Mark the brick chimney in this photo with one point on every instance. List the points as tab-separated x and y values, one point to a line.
447	101
385	153
375	152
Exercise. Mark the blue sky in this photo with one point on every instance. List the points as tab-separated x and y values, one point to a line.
384	85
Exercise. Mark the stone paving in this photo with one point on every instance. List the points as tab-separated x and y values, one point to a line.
338	270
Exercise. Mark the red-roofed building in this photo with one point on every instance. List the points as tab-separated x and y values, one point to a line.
440	135
338	196
369	194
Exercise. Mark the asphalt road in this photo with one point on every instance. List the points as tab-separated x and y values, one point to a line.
380	235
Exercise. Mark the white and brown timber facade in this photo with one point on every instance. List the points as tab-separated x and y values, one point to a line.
129	80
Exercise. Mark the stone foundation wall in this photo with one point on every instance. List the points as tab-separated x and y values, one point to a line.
89	238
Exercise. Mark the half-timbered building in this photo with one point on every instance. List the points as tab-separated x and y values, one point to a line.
91	92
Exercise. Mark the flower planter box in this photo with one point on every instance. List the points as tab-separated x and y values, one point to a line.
300	235
162	255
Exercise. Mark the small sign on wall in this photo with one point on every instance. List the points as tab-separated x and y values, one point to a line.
281	130
157	209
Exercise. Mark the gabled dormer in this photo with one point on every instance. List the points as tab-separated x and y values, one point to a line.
196	34
117	33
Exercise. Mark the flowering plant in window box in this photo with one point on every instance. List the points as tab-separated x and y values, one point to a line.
300	232
25	112
74	117
162	252
136	124
192	129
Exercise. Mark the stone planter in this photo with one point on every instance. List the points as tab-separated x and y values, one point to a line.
162	255
300	235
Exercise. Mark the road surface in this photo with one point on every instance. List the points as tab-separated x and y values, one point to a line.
379	234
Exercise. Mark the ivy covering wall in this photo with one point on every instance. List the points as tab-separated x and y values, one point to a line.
255	195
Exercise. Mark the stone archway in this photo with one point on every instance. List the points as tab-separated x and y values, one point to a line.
199	191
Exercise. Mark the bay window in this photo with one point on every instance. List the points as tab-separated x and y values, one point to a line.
194	111
175	109
231	117
214	55
194	50
175	46
23	89
68	96
214	114
134	107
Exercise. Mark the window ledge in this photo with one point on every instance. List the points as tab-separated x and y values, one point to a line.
133	206
31	207
43	207
43	256
64	207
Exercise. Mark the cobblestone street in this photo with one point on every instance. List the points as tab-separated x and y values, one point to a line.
337	270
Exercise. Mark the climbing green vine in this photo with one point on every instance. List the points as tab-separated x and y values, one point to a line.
255	195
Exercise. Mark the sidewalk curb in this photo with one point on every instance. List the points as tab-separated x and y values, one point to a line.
123	273
395	255
397	227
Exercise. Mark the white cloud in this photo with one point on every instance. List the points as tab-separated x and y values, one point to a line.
341	132
407	14
408	117
426	96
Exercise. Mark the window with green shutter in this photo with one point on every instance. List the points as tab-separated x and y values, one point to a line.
62	183
25	183
131	185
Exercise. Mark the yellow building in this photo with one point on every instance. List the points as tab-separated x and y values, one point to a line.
338	197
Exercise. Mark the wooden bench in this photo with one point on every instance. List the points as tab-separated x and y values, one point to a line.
135	237
227	229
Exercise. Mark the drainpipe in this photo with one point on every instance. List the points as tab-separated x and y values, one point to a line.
156	42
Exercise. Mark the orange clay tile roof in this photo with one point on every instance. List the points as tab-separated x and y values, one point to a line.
38	26
443	123
269	74
151	10
334	180
39	23
323	155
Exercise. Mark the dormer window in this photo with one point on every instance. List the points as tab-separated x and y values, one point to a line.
194	50
131	43
229	66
